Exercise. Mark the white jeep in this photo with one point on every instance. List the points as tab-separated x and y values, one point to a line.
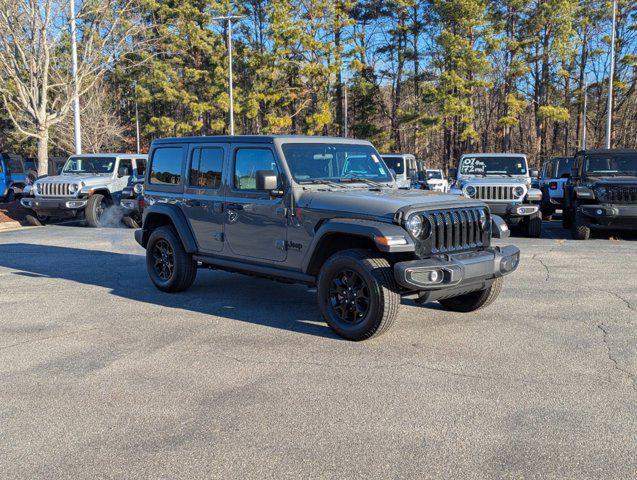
87	186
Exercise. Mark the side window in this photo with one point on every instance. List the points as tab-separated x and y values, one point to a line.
165	168
141	167
246	163
205	168
126	163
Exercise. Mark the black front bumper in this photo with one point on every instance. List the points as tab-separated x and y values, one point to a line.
456	274
54	206
607	215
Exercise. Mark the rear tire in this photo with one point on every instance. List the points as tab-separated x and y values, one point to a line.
534	225
474	300
169	266
34	220
579	229
357	294
95	207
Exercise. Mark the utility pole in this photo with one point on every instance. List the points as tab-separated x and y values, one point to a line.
136	116
77	128
609	117
584	116
229	18
345	119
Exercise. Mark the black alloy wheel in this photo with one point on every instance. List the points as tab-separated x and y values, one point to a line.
349	297
163	260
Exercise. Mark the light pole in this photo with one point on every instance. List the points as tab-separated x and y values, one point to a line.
609	118
584	115
229	18
136	117
77	130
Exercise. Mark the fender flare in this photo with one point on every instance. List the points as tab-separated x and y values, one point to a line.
176	217
367	229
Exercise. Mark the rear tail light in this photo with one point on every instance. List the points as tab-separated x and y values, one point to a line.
141	203
553	185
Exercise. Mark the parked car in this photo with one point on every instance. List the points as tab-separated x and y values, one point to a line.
290	208
87	186
406	168
13	176
503	181
132	199
436	181
601	192
553	177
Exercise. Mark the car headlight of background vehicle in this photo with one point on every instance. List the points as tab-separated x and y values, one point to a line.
470	191
519	191
138	188
414	225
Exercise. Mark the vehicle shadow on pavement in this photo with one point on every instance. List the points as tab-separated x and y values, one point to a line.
234	296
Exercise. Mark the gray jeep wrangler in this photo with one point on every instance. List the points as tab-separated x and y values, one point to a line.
87	186
324	212
502	181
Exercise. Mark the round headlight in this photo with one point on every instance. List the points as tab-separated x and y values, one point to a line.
519	191
138	188
470	191
73	188
414	225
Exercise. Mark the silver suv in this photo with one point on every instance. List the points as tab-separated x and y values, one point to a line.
87	185
502	181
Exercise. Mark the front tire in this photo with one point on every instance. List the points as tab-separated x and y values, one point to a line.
169	266
95	207
534	225
579	229
357	294
474	300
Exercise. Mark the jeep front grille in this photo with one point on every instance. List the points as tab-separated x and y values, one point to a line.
621	194
495	192
51	189
454	231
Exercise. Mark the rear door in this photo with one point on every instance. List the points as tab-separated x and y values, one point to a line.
255	221
203	195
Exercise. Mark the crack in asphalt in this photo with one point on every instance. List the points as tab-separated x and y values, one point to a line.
619	297
546	268
603	328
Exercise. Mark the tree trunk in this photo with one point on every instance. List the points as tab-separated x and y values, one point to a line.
43	151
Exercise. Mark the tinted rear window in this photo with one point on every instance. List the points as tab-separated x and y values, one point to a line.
205	168
165	168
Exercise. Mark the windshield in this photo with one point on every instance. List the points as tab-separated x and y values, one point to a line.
397	164
339	161
434	175
493	166
89	165
611	164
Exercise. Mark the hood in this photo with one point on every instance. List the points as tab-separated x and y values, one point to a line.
384	203
495	180
623	180
70	178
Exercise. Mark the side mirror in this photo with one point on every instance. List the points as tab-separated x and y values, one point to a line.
266	180
122	172
534	173
453	173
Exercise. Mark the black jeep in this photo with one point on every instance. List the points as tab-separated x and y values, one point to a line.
601	192
325	212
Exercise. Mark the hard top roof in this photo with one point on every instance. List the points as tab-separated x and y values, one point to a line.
109	154
269	139
606	150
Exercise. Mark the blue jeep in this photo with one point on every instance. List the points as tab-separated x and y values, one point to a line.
13	176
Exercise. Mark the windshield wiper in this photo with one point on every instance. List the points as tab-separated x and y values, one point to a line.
318	181
361	180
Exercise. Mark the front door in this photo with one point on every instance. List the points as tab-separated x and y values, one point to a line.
255	221
203	196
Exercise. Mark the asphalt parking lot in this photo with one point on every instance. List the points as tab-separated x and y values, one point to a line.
102	376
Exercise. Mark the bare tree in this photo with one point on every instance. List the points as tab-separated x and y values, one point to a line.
102	130
36	84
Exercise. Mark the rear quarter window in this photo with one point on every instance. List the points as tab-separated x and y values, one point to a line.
165	167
